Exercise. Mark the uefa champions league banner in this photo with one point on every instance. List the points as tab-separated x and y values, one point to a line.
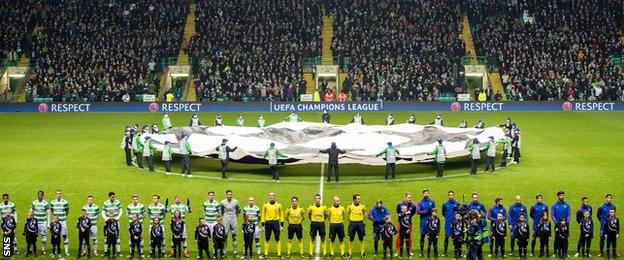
284	107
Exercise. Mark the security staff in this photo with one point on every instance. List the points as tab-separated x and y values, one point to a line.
411	120
333	152
326	117
390	119
218	120
357	119
490	148
185	152
166	121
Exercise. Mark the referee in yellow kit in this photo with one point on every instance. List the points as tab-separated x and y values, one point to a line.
336	227
272	221
356	212
294	216
317	214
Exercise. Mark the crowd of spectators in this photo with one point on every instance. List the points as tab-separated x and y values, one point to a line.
101	50
399	50
253	50
551	50
18	18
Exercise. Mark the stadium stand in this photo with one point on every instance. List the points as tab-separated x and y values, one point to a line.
552	50
399	50
252	50
98	51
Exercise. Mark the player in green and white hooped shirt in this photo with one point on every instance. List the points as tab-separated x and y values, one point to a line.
439	154
183	209
60	207
112	205
254	211
211	211
240	121
93	213
157	210
490	148
261	122
230	209
135	208
8	206
41	209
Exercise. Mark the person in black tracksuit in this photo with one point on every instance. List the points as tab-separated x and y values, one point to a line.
458	235
433	231
561	239
177	228
544	231
8	230
326	117
111	233
612	230
387	233
55	234
31	232
136	234
127	145
202	234
333	152
84	232
522	234
248	234
218	239
586	234
515	146
500	232
405	222
157	236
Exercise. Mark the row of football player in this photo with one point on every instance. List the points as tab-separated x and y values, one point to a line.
465	224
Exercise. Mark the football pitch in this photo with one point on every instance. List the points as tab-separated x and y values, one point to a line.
576	152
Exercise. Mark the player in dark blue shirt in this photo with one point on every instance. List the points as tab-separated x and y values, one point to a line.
497	209
536	213
424	207
514	215
449	210
579	216
603	213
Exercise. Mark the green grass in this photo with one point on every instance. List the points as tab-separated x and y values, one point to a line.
579	153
